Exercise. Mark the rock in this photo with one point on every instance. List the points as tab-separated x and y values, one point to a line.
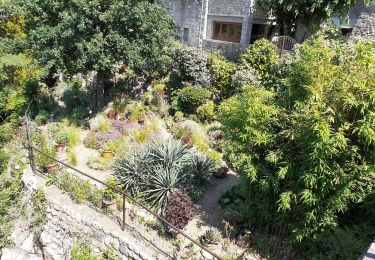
107	240
45	238
28	244
29	180
123	249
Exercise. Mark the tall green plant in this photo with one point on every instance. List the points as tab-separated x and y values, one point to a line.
306	152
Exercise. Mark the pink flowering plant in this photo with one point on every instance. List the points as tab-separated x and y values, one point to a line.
100	141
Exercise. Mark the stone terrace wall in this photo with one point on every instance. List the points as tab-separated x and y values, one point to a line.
68	221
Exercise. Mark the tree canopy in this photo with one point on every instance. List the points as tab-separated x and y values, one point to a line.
309	12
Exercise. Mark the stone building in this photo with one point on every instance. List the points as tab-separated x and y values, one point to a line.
364	23
229	25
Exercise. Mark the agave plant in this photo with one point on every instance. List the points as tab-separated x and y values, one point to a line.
201	168
163	182
131	172
169	153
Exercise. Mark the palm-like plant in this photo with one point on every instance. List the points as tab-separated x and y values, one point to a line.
163	182
201	168
130	171
169	153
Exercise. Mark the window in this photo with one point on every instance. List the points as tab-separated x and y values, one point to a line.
186	35
258	31
228	32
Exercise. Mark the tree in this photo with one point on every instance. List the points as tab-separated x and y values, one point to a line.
96	35
310	12
306	151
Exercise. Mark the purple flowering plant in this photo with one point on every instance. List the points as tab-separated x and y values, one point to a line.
99	140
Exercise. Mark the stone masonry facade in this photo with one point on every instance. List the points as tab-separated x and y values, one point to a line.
195	21
365	24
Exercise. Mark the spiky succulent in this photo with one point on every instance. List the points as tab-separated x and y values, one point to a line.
131	173
201	168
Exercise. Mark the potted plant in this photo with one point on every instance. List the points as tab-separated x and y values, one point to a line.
109	195
109	149
46	163
62	138
141	119
187	140
112	114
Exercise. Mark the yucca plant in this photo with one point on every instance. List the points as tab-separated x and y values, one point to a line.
132	173
169	153
163	182
201	168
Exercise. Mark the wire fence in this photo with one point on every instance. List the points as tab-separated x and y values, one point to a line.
157	231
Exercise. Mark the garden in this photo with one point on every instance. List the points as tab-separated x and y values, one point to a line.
263	156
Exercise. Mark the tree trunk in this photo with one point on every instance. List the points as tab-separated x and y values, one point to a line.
100	77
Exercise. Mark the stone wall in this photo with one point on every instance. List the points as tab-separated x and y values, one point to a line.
365	24
228	49
68	223
228	7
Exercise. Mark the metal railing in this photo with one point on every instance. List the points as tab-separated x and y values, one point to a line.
125	196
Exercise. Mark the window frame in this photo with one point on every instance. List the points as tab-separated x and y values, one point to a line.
236	28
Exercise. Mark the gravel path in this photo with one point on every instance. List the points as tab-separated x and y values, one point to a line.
210	213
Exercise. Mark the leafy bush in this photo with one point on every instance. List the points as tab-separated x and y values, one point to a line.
206	111
62	136
299	147
261	55
244	75
4	158
190	98
42	117
79	189
190	65
221	77
7	132
79	113
195	192
39	213
42	160
180	209
82	251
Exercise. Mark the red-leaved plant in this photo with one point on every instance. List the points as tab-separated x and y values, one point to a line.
180	209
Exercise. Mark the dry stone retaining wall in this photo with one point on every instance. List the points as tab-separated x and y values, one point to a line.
68	223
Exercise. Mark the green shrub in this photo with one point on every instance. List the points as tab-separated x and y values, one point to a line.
79	113
73	160
80	190
42	117
42	160
7	132
261	55
195	192
298	148
211	236
190	65
39	212
190	98
82	251
4	158
206	111
221	76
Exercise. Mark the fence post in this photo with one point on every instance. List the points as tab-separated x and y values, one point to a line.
123	211
29	145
